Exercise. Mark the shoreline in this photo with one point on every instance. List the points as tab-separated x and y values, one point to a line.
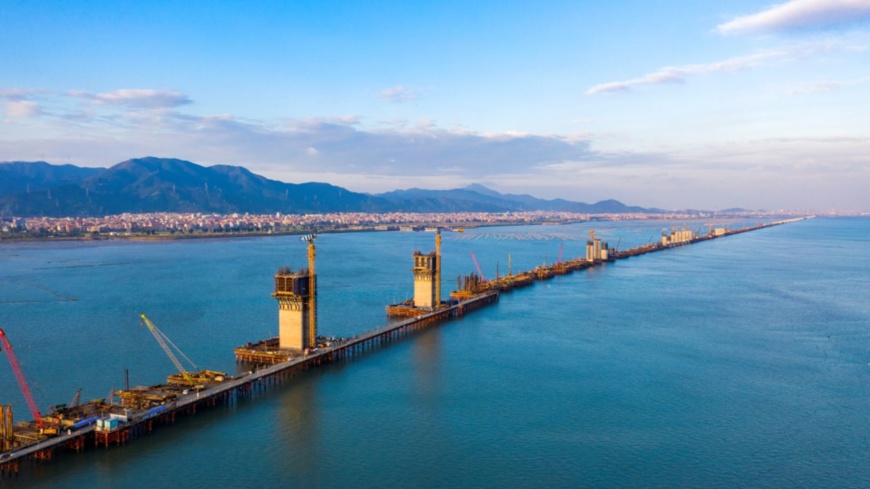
23	237
420	228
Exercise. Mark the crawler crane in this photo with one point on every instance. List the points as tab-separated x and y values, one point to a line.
163	340
198	378
19	375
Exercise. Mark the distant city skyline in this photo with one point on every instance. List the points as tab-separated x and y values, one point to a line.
752	105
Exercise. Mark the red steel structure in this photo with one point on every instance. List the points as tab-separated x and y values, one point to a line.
25	389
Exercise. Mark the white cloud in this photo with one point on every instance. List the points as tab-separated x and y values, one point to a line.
799	14
394	154
22	109
768	173
814	88
319	122
825	86
424	148
18	93
341	145
137	97
399	94
679	74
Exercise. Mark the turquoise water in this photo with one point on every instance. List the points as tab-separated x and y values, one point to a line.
740	362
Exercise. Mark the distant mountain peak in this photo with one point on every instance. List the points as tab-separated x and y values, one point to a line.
154	184
476	187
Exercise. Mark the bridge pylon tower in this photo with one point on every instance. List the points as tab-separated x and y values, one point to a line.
427	277
296	293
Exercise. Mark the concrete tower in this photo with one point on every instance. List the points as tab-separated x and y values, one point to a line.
297	304
427	277
595	249
291	290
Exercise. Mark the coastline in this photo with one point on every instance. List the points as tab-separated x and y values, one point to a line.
144	237
536	219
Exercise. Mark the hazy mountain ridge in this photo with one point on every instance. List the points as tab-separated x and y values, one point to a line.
153	184
22	176
476	196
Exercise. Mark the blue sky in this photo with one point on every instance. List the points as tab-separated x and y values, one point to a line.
655	103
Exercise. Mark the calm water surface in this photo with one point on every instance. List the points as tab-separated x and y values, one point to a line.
741	362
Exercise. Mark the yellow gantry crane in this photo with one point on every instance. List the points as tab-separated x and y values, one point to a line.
312	290
164	343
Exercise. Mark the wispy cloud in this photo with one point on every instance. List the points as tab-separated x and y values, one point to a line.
682	73
339	145
136	97
825	86
18	93
679	74
383	155
817	87
22	109
399	94
784	172
319	122
799	15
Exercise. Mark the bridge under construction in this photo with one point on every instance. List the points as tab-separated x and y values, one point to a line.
75	426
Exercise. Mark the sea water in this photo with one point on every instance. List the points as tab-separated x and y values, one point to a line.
738	362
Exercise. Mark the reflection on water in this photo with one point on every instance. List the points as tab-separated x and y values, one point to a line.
427	364
298	423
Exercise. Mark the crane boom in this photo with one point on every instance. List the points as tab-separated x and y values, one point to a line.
75	399
477	265
22	382
162	339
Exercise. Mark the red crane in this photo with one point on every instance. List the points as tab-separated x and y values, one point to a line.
478	266
28	396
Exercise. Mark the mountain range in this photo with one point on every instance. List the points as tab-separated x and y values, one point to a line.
171	185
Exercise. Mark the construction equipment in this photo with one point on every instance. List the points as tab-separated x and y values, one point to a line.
312	290
75	400
163	340
19	375
561	246
477	265
437	269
